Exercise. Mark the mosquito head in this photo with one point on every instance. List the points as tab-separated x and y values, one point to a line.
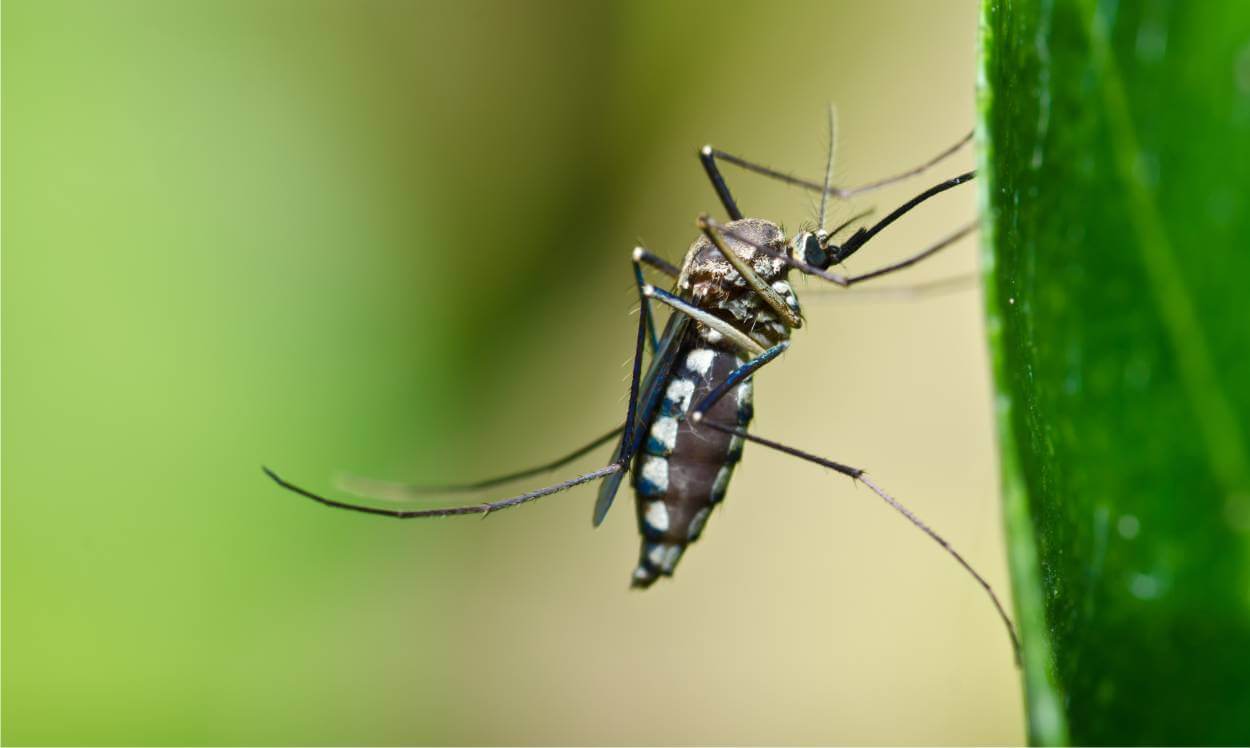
812	247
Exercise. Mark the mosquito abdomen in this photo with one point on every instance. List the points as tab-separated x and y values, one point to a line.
681	474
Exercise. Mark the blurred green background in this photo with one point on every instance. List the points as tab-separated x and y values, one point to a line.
392	239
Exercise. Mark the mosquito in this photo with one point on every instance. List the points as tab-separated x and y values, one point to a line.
732	312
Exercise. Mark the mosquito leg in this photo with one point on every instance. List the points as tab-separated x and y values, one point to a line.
707	155
371	487
858	474
734	378
851	280
912	172
662	361
710	154
644	308
482	509
927	289
731	333
641	256
788	316
616	466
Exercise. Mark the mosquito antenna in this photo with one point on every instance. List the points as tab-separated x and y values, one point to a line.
824	192
859	475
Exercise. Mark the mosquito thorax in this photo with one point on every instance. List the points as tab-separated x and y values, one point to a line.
755	240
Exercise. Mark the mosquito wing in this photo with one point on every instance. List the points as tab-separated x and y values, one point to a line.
648	398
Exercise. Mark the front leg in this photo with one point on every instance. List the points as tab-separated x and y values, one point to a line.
739	339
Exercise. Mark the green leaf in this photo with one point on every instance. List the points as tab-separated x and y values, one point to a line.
1117	249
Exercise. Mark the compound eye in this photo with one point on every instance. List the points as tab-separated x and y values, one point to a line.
813	253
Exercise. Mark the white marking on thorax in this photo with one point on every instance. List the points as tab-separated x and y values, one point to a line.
741	308
766	264
787	292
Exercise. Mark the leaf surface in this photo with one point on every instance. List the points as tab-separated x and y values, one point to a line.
1117	250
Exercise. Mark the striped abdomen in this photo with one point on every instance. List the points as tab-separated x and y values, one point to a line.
681	474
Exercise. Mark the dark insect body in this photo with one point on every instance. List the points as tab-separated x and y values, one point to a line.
733	310
682	471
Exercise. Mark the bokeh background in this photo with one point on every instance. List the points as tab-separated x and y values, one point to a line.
392	239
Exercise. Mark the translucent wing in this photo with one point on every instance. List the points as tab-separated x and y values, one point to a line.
648	398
